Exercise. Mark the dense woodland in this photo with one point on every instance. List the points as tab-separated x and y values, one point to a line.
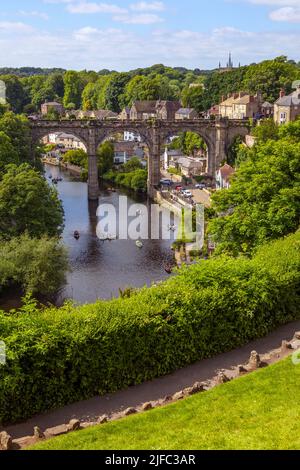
28	88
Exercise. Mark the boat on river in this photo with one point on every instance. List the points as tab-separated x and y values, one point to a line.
76	235
139	244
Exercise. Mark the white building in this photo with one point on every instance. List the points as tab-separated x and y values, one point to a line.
132	137
223	176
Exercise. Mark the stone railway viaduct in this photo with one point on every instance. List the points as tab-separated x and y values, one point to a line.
218	136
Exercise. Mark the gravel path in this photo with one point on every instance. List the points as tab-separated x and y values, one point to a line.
90	410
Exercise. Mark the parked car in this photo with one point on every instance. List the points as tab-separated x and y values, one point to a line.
166	182
187	193
200	186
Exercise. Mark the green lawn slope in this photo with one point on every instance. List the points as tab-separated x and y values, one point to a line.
257	411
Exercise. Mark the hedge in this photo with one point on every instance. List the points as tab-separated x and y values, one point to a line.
62	355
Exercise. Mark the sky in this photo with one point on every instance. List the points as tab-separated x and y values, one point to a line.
127	34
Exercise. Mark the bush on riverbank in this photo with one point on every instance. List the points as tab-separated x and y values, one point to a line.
59	356
136	180
38	266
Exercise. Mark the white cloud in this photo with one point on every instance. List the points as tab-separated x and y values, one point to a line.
94	48
275	2
145	19
148	6
37	14
89	7
288	14
14	28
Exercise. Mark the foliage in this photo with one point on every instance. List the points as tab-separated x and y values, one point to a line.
59	356
267	129
18	130
105	156
192	97
27	203
263	202
76	157
270	76
73	85
188	143
37	265
8	153
133	164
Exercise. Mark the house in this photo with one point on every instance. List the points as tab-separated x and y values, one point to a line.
159	109
223	176
214	111
170	158
124	151
143	110
130	136
190	166
125	114
166	110
240	105
267	109
52	105
186	113
67	141
287	108
99	114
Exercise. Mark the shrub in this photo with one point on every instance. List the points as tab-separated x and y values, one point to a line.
37	265
61	355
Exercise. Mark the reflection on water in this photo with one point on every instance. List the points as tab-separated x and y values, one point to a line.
101	268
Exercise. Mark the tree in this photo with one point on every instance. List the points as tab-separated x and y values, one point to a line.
192	97
133	164
263	202
267	129
28	204
38	266
105	155
52	114
115	91
269	77
8	153
76	157
15	93
18	130
73	89
139	180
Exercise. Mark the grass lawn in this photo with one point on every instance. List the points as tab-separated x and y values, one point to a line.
257	411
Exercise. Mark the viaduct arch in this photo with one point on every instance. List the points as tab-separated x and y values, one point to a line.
218	135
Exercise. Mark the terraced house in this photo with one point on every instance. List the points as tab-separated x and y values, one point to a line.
287	108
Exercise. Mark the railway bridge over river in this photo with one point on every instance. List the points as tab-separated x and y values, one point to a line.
218	135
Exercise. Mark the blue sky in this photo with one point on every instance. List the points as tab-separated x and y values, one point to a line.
125	34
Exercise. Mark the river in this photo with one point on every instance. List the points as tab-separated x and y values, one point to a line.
100	268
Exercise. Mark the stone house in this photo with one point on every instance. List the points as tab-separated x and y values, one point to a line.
143	110
186	113
287	108
52	105
267	109
240	106
154	109
99	114
124	151
166	110
190	166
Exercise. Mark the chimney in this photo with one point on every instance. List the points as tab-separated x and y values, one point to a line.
282	93
222	98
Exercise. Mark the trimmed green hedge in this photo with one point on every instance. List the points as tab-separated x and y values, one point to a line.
59	356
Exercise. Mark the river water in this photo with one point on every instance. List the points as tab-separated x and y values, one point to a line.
100	268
